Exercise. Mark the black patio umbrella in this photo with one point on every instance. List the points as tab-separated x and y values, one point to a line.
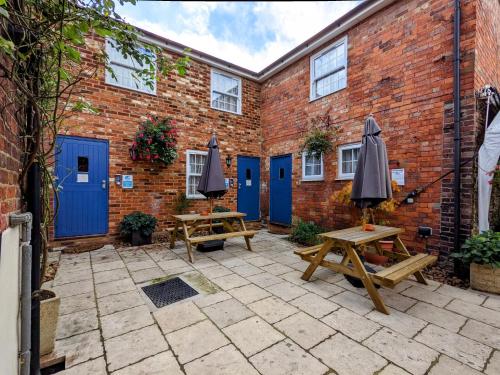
372	182
212	184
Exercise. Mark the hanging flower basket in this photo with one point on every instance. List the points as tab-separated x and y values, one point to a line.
155	141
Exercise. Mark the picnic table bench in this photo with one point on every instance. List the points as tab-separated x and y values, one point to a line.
352	241
186	225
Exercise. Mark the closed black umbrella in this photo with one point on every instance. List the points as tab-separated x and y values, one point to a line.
372	182
212	184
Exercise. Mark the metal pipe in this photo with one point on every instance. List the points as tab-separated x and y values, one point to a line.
25	220
456	126
34	205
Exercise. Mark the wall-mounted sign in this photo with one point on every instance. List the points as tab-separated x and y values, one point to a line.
398	175
82	177
127	181
226	183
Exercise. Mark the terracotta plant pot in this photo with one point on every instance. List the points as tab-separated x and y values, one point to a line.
368	227
373	258
49	312
386	245
485	277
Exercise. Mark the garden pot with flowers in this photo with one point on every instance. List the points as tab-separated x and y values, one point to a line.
155	141
377	215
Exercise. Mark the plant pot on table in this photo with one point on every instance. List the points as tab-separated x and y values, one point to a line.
49	313
138	238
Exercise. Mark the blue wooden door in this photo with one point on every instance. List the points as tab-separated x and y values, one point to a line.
248	187
82	178
280	190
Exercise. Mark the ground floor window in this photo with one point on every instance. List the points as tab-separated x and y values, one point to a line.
312	167
348	160
194	167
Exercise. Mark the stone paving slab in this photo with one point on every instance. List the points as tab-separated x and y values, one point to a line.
223	361
287	358
196	341
159	364
351	324
252	335
118	302
304	329
134	346
177	316
402	351
259	316
347	357
455	346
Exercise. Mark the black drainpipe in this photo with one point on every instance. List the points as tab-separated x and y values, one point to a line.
456	125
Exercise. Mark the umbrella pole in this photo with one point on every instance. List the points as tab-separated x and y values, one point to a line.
211	202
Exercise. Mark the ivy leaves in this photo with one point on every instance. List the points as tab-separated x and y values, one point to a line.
483	248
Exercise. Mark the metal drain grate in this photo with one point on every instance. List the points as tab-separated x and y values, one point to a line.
168	292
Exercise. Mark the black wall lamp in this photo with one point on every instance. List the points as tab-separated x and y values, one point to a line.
229	159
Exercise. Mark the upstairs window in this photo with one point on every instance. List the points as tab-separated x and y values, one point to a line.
312	167
348	160
126	70
226	92
194	167
329	70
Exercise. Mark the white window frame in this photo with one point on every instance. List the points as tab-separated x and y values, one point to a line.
110	80
340	175
188	173
240	91
316	177
313	79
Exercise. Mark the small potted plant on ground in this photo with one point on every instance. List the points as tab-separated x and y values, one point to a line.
138	228
49	313
482	253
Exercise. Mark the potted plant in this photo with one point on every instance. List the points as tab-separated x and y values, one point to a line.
138	228
482	253
155	141
49	312
322	134
377	215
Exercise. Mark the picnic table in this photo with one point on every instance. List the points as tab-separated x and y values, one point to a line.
354	241
187	225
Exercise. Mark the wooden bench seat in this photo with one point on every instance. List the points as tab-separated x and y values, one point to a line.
200	226
222	236
308	250
394	274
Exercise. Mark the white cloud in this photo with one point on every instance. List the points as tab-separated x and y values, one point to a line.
290	23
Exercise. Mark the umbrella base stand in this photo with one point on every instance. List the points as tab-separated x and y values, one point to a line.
210	246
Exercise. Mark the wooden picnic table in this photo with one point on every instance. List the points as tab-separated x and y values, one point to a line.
353	242
186	225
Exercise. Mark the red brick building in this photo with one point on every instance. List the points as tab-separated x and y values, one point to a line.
390	58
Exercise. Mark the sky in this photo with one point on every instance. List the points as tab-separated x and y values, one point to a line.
249	34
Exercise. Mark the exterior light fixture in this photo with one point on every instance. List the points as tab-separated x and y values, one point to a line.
229	159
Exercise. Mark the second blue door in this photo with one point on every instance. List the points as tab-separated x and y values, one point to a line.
82	177
248	186
280	190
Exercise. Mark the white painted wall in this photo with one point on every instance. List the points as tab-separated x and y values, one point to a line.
10	292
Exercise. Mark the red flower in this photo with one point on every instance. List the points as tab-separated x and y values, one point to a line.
134	144
173	122
162	137
156	156
141	135
150	141
148	157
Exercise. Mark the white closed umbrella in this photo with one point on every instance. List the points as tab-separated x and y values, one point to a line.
487	162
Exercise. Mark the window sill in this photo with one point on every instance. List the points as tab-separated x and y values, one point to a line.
312	179
324	96
195	197
345	178
223	110
130	89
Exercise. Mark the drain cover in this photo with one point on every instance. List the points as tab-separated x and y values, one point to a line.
168	292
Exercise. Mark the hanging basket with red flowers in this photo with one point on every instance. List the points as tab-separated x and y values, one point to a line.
155	141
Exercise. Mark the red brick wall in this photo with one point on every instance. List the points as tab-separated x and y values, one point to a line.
187	100
400	69
10	156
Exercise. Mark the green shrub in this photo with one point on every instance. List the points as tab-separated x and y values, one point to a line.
483	248
138	221
306	233
181	203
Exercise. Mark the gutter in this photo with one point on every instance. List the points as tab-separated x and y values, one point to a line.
456	127
334	30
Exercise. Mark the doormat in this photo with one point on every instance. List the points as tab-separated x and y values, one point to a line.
168	292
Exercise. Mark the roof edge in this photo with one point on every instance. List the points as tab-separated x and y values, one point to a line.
336	28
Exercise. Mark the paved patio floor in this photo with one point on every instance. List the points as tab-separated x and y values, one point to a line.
254	315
